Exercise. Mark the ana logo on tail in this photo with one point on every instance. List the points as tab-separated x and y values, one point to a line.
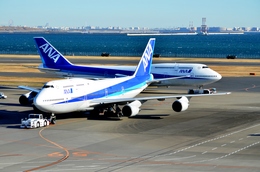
147	56
52	54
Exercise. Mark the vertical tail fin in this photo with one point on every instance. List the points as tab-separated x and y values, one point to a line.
144	66
50	57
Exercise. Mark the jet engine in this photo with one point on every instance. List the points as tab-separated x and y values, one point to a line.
131	109
181	104
27	99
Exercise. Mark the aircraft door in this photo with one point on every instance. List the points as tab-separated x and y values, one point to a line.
122	90
165	74
106	92
176	68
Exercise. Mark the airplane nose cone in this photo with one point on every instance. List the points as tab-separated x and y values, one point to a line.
39	104
36	101
218	76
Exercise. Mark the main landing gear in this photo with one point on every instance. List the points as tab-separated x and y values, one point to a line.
202	91
113	111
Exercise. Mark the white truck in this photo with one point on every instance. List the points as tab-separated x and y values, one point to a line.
2	96
34	121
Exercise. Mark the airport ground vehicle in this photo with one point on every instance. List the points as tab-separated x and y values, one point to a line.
2	96
34	121
231	56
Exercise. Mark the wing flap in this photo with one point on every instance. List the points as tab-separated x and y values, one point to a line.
126	100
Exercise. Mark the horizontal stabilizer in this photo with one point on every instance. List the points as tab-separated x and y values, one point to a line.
47	69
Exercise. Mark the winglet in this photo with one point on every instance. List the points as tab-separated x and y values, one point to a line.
49	55
144	66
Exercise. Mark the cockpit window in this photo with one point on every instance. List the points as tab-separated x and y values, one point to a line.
204	67
48	86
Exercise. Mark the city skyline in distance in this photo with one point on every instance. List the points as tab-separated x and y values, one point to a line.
102	13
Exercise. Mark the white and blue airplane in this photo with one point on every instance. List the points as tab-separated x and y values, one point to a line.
54	62
105	96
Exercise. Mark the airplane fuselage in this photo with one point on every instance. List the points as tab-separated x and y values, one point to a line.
198	74
77	94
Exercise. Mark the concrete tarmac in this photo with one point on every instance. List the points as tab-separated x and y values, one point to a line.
219	133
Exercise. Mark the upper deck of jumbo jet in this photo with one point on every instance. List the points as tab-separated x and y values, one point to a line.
67	83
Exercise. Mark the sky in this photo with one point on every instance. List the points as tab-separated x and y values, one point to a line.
130	13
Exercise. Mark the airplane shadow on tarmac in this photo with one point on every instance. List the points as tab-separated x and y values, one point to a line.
10	104
152	116
10	118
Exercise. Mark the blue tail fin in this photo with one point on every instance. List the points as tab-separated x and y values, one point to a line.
144	66
49	55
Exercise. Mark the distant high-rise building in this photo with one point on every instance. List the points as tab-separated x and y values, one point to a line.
204	28
192	28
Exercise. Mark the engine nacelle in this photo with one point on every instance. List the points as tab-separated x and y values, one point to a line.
181	104
27	99
131	109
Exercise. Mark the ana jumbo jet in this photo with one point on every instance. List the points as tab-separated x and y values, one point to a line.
54	62
105	96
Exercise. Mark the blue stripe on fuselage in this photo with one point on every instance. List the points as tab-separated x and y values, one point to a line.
114	90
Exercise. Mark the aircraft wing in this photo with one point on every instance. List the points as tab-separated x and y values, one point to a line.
125	100
29	88
43	69
164	79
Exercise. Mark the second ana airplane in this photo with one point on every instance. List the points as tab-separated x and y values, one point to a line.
53	61
104	96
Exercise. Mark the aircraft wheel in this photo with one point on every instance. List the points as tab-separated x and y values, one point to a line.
45	123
